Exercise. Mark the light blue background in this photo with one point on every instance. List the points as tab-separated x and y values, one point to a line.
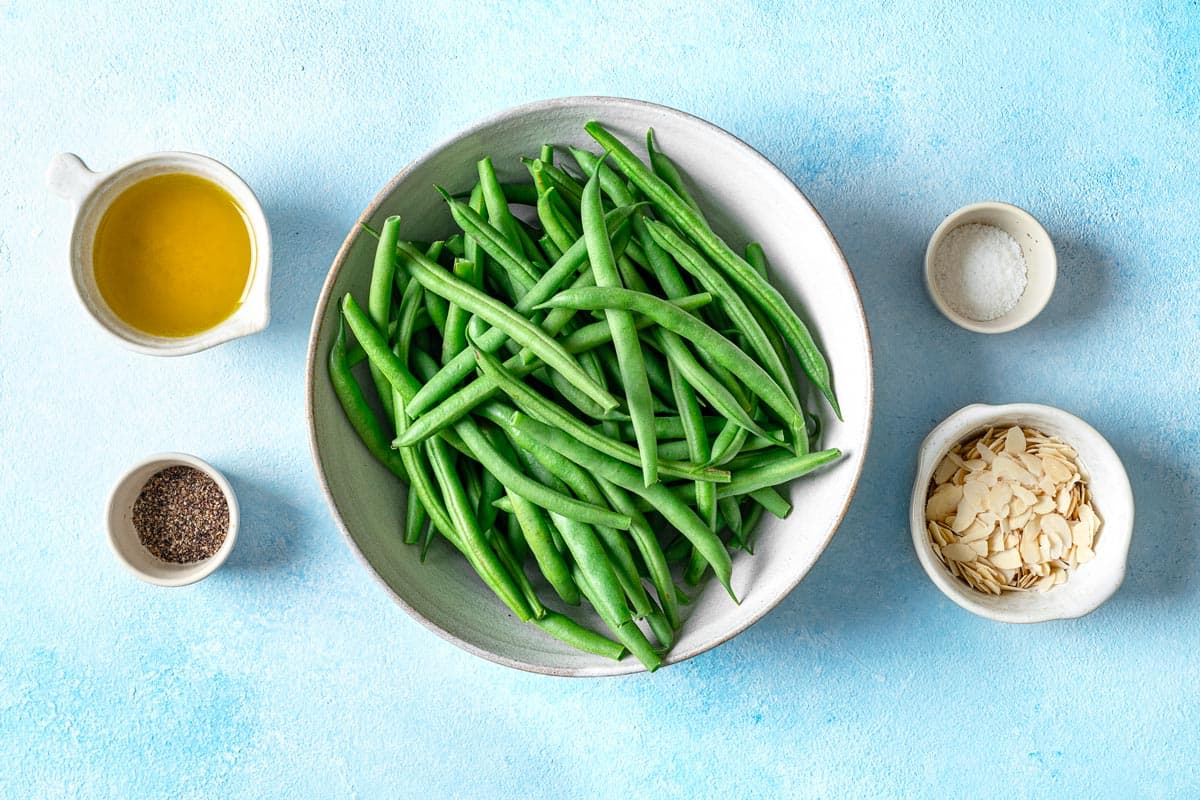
290	673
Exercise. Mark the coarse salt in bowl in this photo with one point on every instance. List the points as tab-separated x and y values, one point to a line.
973	273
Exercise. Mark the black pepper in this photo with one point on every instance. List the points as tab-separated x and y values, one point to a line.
181	515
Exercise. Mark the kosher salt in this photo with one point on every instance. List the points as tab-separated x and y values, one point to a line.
979	271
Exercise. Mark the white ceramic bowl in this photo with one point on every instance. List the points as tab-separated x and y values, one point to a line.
91	194
123	537
1088	586
746	198
1040	261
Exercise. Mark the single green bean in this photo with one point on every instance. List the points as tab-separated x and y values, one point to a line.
496	203
772	501
362	419
570	632
779	471
379	299
665	168
454	338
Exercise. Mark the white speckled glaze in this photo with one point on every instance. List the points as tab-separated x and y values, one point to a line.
1041	263
123	537
1092	583
746	198
91	193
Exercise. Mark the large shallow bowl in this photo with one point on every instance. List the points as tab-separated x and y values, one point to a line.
746	198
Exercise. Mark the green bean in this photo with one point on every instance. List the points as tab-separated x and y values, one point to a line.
546	154
699	449
625	338
795	332
456	246
507	254
521	194
665	168
515	536
672	427
731	512
471	249
696	566
490	490
779	471
688	327
540	408
500	316
415	519
757	259
529	247
504	551
570	632
354	404
772	501
494	200
750	519
728	443
379	299
444	381
546	176
558	227
516	481
454	338
625	476
549	248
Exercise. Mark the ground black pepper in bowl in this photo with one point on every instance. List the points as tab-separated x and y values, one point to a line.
181	515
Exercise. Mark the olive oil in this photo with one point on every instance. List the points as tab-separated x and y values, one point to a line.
173	255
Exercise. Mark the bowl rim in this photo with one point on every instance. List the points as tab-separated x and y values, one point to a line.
1006	322
626	666
955	427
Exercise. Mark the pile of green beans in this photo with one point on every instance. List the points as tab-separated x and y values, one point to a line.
587	392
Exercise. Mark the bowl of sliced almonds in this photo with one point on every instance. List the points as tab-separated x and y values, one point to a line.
1021	513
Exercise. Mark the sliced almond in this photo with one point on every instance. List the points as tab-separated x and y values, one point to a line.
942	503
1014	441
958	552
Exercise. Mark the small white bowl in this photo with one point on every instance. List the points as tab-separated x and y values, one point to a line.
1038	251
92	193
123	537
1089	585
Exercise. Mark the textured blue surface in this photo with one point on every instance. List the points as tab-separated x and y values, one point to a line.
290	672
